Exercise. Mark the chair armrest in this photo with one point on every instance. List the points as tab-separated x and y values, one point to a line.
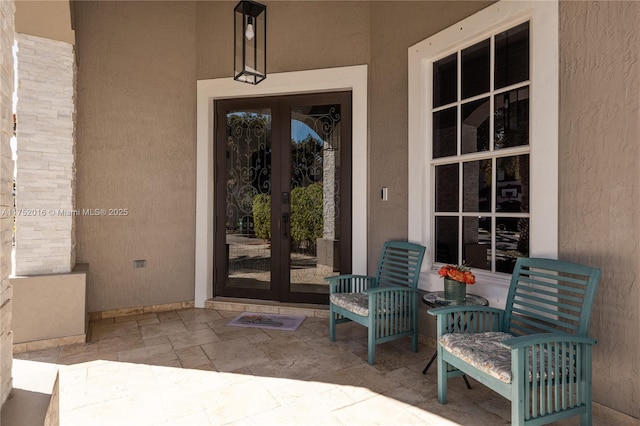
467	319
536	339
547	358
377	290
350	283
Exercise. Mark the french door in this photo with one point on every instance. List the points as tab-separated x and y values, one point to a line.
282	196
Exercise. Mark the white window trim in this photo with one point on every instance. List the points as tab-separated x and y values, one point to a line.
352	78
544	108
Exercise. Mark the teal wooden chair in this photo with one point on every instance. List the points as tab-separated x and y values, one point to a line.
536	351
386	304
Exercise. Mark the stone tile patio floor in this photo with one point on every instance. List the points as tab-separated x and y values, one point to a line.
187	367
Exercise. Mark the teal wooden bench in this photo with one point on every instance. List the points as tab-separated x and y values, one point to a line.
386	304
536	351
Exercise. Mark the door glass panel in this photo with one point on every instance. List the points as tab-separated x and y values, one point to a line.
315	196
248	199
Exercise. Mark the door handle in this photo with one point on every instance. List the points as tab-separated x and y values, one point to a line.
285	226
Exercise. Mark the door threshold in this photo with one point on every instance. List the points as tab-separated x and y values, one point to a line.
267	307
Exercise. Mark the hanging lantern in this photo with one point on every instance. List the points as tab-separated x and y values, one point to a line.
250	41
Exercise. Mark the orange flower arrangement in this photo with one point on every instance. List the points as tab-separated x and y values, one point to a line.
460	273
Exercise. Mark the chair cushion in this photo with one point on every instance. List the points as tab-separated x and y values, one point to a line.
486	352
358	303
482	350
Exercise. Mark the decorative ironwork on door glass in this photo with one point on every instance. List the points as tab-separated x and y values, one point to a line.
315	196
248	204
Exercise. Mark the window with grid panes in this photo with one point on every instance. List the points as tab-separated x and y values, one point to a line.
481	152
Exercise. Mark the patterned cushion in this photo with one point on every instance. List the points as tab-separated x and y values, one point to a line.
482	350
358	303
486	352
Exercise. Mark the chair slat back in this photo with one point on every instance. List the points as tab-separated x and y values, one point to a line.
400	264
547	296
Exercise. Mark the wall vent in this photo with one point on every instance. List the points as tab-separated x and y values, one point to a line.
139	263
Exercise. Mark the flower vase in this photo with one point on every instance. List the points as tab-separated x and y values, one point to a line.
455	291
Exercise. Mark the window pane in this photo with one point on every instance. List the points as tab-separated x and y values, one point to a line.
445	133
475	69
479	192
447	182
445	82
446	239
476	181
512	56
476	237
511	118
475	126
512	175
512	241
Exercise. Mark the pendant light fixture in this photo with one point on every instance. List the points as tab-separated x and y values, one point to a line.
250	42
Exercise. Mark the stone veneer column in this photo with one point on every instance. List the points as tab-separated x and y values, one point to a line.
6	198
45	242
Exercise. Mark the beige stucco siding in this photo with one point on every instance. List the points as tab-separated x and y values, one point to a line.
300	36
396	26
599	181
136	150
48	19
49	306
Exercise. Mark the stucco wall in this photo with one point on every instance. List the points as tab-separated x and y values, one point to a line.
49	306
395	27
301	35
599	181
49	19
136	150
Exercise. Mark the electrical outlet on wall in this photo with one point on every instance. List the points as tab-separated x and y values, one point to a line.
139	263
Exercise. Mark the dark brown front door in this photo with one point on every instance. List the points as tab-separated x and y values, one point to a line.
283	196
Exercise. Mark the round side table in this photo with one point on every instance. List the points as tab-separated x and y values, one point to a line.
435	299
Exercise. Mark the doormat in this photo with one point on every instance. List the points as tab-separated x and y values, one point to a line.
269	321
